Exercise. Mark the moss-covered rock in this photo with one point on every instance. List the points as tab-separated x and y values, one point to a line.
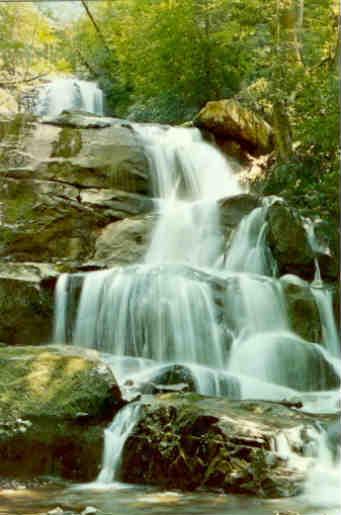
289	241
54	403
228	119
26	302
303	312
187	441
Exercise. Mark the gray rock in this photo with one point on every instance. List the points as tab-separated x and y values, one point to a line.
124	242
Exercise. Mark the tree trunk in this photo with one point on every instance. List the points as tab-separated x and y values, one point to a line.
282	131
95	25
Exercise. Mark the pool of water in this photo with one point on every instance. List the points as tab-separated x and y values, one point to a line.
131	500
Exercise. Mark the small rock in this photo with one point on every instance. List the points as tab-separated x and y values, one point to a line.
89	510
56	511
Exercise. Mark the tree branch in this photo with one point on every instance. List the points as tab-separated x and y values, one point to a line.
22	81
95	25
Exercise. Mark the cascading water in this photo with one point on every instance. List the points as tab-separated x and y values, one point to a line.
114	438
163	312
66	94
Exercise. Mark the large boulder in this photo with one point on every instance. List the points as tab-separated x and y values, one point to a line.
188	442
288	240
26	302
124	242
228	119
302	309
54	403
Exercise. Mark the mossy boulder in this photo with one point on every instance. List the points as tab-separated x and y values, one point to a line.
228	119
289	241
303	311
54	403
26	302
188	442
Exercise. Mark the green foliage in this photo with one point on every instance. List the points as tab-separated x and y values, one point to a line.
162	60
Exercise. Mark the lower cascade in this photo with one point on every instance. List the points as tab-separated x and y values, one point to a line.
210	315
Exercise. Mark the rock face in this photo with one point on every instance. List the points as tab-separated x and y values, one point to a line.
54	403
26	302
61	184
186	441
73	190
228	119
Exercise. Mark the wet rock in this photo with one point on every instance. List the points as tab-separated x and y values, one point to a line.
124	242
228	119
303	312
89	510
56	511
42	392
26	302
289	241
233	209
167	377
187	441
327	236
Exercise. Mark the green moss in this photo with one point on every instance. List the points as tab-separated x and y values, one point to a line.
69	143
44	382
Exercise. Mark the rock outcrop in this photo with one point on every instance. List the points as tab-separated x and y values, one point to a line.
74	190
54	403
187	441
229	120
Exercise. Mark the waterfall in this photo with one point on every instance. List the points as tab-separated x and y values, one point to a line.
248	251
67	94
215	322
114	438
324	301
323	485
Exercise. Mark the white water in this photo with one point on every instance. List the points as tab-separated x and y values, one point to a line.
248	251
323	486
163	311
115	437
68	94
324	301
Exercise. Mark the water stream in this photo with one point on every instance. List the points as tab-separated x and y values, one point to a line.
163	312
66	94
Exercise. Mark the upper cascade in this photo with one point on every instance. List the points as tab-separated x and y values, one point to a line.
65	94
